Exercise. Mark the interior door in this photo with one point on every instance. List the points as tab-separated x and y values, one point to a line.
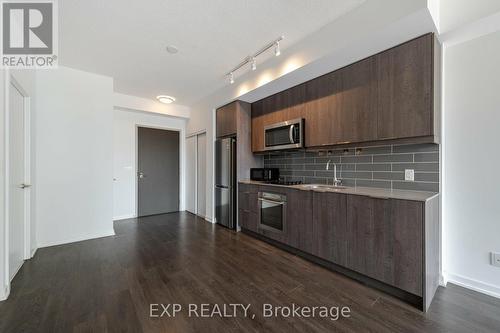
16	177
202	174
158	171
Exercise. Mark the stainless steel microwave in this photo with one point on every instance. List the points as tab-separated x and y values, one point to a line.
285	135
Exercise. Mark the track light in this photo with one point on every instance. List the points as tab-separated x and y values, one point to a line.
252	59
277	50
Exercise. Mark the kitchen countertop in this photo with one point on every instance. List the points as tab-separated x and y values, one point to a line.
381	193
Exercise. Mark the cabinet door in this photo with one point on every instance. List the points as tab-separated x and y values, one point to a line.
385	240
247	206
329	227
323	110
358	105
226	120
405	78
299	228
258	126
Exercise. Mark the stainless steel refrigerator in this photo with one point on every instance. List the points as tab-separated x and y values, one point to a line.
225	182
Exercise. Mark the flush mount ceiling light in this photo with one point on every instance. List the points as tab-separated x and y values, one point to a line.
252	59
165	99
172	49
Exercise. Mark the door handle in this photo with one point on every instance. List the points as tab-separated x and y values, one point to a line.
291	134
23	186
140	175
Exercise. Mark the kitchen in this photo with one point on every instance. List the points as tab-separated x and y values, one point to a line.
343	170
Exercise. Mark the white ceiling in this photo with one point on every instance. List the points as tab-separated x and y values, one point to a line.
127	39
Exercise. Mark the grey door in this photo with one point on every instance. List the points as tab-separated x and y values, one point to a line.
158	171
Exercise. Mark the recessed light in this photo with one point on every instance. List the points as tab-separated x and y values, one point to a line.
172	49
165	99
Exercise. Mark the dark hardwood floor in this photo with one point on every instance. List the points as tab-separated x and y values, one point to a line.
108	284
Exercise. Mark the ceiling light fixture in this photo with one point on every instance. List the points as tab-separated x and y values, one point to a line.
252	59
172	49
165	99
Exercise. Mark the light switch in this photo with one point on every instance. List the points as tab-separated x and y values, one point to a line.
410	175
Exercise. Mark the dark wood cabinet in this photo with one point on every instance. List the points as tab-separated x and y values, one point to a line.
299	225
330	227
388	96
226	120
283	106
248	217
385	240
405	89
392	241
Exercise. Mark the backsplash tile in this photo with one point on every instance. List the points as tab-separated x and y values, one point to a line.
380	166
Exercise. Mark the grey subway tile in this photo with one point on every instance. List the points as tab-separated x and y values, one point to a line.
427	157
356	159
414	148
416	186
393	158
388	175
425	167
315	180
427	177
374	150
356	175
348	167
373	167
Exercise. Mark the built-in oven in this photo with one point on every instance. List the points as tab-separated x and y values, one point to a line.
284	135
272	208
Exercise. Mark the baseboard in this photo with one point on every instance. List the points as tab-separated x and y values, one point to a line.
209	219
475	285
77	239
124	217
33	251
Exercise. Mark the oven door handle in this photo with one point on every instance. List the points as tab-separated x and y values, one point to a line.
290	134
272	201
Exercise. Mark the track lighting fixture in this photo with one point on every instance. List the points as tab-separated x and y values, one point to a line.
277	50
252	60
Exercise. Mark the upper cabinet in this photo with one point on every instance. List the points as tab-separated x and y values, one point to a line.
384	97
226	123
405	90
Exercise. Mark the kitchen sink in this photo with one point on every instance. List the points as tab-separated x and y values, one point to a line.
322	187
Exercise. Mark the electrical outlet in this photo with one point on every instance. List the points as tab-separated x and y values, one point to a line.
495	259
410	175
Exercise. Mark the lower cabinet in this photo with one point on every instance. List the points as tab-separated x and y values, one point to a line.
390	240
384	240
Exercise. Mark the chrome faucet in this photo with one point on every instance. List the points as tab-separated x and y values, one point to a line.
336	181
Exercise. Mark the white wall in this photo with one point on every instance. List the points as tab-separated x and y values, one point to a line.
74	156
457	13
124	156
471	189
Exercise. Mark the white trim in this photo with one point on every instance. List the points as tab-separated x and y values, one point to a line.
476	29
136	163
208	219
196	133
33	252
5	281
79	238
475	285
124	217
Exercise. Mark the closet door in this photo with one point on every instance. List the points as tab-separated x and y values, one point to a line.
202	174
